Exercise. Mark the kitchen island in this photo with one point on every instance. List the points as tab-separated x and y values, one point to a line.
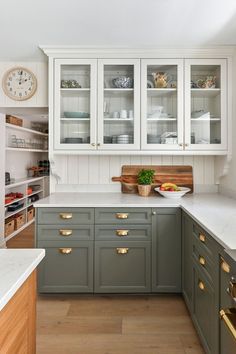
18	299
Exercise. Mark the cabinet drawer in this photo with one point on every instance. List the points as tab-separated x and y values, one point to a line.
65	232
119	232
201	258
204	240
65	216
122	267
67	267
123	216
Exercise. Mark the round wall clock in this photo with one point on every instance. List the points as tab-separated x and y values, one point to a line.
19	83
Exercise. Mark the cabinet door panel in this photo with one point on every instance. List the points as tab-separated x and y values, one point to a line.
166	250
123	216
120	232
63	232
67	267
126	271
65	216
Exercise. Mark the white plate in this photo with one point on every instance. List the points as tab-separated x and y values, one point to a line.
174	195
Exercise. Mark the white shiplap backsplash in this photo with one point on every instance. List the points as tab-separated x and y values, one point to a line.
94	173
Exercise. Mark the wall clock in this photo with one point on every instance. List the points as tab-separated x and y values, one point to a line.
19	83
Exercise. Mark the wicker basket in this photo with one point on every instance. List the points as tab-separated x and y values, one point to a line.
30	214
14	120
19	221
9	227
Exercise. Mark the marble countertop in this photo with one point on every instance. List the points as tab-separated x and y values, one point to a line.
16	265
215	212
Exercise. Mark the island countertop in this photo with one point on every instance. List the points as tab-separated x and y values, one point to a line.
16	265
215	212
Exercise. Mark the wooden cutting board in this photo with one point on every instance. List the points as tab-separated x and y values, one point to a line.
180	175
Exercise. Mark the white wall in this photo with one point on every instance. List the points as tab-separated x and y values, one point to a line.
94	173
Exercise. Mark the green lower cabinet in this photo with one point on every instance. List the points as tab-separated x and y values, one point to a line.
166	250
228	342
122	267
204	311
66	268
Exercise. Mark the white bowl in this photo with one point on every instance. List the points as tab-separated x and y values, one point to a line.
174	194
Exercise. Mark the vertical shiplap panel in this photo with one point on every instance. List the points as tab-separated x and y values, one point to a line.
62	169
115	167
167	160
93	170
104	170
135	160
188	160
209	170
83	169
198	169
125	160
156	160
178	160
72	165
146	160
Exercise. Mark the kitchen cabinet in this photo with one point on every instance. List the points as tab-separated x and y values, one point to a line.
181	104
166	250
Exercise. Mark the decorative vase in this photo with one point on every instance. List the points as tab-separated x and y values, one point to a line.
144	190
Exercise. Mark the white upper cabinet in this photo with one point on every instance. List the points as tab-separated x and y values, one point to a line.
75	111
205	104
162	104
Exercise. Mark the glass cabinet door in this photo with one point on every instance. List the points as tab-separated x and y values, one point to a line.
75	104
162	104
118	104
205	104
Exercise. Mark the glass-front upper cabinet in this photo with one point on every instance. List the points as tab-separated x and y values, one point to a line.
162	104
75	104
205	104
118	104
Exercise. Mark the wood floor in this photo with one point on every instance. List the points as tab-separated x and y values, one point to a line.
82	324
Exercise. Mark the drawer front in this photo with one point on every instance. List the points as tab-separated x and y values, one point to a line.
123	216
204	240
119	232
201	257
122	267
65	216
65	232
66	268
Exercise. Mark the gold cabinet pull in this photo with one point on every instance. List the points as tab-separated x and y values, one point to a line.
122	250
225	266
229	318
122	215
202	238
122	232
66	215
65	250
65	232
201	285
202	260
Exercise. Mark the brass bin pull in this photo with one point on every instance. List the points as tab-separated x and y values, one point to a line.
122	215
122	232
225	266
122	250
65	250
65	232
202	260
201	285
229	318
202	238
66	215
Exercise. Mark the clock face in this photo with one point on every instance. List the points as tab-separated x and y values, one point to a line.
19	84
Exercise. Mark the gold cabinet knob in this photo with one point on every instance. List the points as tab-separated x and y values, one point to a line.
201	285
65	250
122	232
65	232
202	238
66	215
122	215
186	145
93	144
121	250
225	266
181	144
202	260
99	144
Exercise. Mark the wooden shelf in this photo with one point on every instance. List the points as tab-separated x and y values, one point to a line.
19	230
8	148
27	130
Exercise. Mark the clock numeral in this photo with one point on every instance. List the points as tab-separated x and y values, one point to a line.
25	93
10	88
20	94
30	88
10	79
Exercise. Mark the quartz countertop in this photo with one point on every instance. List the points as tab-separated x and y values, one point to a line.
215	212
16	265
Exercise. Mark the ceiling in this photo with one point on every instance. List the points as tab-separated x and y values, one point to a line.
125	23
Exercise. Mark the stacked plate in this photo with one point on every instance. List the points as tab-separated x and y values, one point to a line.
124	139
153	139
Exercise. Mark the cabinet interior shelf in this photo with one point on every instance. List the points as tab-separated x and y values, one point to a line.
119	120
161	119
160	91
8	148
27	130
205	92
205	120
75	89
21	181
24	197
19	230
75	119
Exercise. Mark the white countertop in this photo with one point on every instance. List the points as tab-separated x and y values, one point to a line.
215	212
15	267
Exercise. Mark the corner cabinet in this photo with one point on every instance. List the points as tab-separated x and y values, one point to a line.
148	102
